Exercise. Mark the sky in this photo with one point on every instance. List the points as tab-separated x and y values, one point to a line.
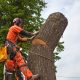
68	67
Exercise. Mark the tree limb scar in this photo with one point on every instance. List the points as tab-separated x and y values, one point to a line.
39	42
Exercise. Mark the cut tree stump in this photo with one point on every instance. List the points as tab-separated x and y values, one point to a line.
40	53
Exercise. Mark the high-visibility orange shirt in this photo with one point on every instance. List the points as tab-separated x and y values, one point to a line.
13	33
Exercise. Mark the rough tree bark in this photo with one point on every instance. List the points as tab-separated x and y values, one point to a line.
40	53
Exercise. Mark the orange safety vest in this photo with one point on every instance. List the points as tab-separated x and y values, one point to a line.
13	33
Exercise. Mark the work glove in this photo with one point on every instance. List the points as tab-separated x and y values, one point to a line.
35	33
30	39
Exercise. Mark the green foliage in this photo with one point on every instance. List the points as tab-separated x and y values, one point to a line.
1	70
3	32
28	10
58	49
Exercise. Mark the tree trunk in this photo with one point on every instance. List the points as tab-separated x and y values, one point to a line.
40	54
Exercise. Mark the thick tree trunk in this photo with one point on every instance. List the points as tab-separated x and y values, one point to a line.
40	53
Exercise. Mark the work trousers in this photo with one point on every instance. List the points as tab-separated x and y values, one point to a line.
16	60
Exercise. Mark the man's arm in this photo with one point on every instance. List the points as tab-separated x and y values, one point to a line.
26	33
24	39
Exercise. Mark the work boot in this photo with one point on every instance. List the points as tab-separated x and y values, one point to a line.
35	77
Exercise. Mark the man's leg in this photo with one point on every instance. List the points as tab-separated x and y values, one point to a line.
20	62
